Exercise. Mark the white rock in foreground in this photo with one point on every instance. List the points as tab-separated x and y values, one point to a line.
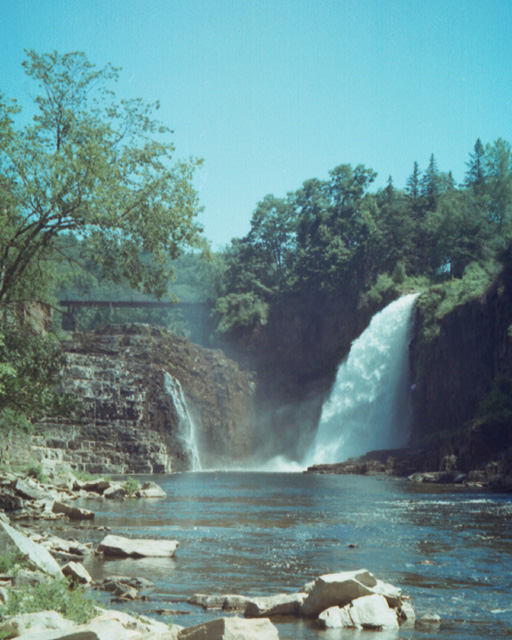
337	589
231	629
137	548
36	553
367	612
26	623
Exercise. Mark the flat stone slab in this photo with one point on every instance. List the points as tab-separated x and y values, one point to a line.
117	546
73	513
36	553
231	629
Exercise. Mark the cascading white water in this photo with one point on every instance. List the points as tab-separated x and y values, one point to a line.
368	406
186	427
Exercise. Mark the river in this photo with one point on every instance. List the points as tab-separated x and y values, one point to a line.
266	533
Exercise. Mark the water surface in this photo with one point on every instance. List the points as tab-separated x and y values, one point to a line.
266	533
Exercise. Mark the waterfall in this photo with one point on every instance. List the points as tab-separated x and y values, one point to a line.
368	407
186	427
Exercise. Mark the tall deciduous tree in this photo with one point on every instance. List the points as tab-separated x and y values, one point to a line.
97	166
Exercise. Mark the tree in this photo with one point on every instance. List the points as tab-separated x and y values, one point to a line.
413	182
430	183
475	175
92	165
499	183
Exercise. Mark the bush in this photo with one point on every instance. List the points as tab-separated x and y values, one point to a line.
54	595
131	486
35	470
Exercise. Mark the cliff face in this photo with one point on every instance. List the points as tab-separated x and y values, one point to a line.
454	369
131	420
296	355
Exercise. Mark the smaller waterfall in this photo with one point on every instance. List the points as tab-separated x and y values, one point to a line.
186	426
368	407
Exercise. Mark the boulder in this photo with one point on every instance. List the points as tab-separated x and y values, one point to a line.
31	623
37	554
73	513
284	604
337	589
430	619
99	630
28	490
229	602
372	612
120	547
77	572
367	612
98	486
392	594
406	614
231	629
150	490
115	492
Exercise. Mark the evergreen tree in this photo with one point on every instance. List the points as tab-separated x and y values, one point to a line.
475	175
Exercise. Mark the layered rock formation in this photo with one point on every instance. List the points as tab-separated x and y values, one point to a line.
130	420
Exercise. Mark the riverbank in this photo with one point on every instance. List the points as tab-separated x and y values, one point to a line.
42	560
416	466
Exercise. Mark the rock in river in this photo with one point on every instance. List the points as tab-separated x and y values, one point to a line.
231	629
118	546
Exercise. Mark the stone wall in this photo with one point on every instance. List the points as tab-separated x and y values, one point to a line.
128	421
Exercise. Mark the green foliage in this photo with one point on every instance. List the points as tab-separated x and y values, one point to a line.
238	312
94	166
11	561
496	407
73	602
131	486
35	470
85	476
30	366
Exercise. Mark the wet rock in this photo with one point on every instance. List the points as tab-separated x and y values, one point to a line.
235	603
284	604
207	601
231	629
406	615
430	619
367	612
72	512
35	552
392	594
118	546
115	492
98	485
337	589
77	572
150	490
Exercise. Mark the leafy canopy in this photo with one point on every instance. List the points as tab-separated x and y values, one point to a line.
96	166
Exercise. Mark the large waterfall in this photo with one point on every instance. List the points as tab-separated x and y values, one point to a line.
186	427
368	406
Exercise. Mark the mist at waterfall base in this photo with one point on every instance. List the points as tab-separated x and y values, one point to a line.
368	408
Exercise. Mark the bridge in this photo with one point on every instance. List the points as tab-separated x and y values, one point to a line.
196	315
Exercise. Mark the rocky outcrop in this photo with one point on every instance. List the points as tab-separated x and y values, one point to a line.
126	379
456	362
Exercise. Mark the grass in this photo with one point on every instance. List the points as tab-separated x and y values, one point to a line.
75	604
131	486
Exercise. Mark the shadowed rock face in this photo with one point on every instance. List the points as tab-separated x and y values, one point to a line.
129	423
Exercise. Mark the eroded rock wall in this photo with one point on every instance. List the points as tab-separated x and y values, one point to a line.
129	423
453	371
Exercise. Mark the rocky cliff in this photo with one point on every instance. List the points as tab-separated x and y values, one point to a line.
126	380
461	368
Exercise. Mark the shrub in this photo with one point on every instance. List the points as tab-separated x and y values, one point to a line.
54	595
131	486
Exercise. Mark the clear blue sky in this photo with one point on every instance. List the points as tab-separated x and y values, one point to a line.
271	93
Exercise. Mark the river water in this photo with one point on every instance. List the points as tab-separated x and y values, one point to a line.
265	533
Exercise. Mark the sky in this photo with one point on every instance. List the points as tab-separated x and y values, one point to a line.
272	93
